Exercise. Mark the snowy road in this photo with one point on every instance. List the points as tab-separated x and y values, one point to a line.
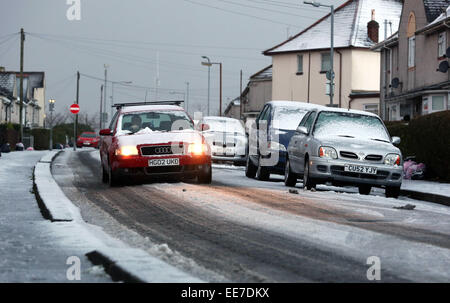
244	230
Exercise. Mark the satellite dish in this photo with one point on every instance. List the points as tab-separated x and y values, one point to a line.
395	82
443	67
447	52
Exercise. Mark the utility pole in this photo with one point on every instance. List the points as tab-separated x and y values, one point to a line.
220	102
208	64
186	105
101	107
104	96
330	74
22	40
240	99
75	125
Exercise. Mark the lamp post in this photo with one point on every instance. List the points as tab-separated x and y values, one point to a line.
208	64
112	92
51	108
330	76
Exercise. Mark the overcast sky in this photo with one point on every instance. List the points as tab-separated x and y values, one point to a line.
127	35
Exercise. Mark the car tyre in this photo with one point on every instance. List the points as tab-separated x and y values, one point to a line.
262	172
113	178
364	189
205	177
392	192
290	179
308	182
105	176
250	168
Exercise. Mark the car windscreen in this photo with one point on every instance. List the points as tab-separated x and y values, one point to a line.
84	135
225	126
350	125
165	121
287	117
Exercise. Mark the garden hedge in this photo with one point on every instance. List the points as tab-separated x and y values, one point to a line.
428	138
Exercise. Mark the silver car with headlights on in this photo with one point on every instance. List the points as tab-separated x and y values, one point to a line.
344	147
226	137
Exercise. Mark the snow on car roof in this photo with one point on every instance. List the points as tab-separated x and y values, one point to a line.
294	103
344	110
144	108
219	118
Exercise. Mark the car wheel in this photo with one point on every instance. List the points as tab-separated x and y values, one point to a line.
113	178
392	191
290	179
364	189
205	177
105	176
262	172
250	168
308	182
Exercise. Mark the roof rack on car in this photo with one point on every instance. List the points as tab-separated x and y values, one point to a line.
171	102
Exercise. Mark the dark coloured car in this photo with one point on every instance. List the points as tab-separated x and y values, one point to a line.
269	137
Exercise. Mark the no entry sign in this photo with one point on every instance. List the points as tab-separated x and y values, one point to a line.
75	109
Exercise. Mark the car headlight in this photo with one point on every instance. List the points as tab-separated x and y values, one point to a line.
197	149
327	152
127	151
275	146
392	159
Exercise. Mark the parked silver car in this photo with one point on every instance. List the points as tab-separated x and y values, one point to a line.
227	139
344	147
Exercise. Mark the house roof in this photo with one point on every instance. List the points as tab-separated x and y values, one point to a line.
436	23
9	83
264	74
433	8
350	21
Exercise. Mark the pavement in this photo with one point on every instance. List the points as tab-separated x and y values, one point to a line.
34	249
427	190
43	236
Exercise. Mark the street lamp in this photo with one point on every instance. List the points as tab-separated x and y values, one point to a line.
208	64
112	92
51	108
330	76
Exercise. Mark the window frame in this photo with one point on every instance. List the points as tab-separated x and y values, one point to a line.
412	52
442	42
299	64
322	70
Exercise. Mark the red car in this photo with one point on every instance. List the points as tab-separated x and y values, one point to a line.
88	139
153	141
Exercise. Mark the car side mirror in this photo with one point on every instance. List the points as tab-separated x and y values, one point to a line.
396	140
302	130
203	127
105	132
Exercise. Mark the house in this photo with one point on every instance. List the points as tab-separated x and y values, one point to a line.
34	98
257	93
233	109
414	62
300	63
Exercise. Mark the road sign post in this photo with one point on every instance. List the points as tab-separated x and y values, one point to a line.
75	109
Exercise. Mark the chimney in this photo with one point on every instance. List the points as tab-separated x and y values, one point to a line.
372	28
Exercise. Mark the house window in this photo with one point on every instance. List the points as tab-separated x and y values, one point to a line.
299	64
372	108
412	51
437	103
442	44
326	64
